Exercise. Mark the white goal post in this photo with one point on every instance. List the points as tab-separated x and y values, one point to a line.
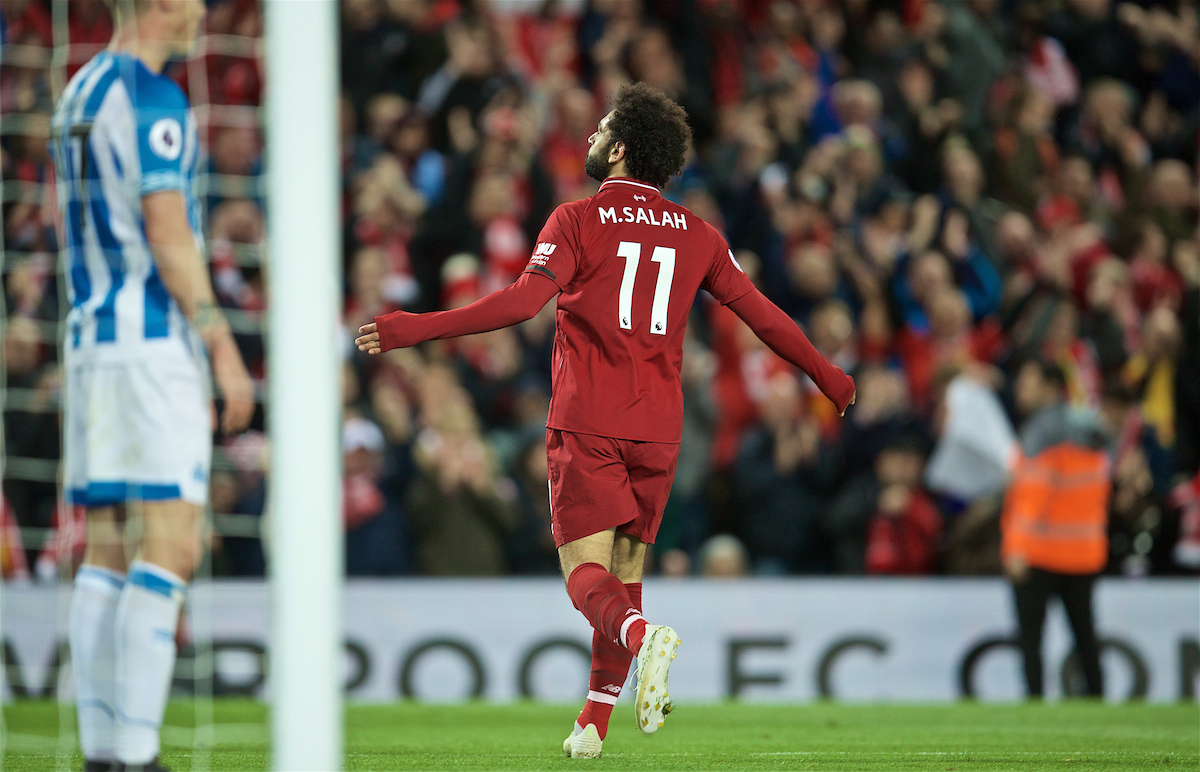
305	283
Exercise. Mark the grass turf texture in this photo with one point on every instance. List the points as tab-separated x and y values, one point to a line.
820	736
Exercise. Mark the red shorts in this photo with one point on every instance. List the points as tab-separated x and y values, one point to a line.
597	483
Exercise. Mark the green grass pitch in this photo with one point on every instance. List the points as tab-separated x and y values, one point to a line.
819	736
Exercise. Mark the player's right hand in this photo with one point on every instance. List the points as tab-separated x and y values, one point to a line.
234	386
368	341
853	397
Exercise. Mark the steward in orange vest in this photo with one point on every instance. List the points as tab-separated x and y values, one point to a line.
1056	508
1055	518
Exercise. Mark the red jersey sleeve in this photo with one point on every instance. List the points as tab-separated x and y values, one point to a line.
725	281
557	253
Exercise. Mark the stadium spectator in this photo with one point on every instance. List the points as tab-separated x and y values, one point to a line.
883	522
531	547
374	538
905	529
1187	377
234	167
686	518
462	514
776	489
723	557
238	488
1136	520
1185	504
31	427
972	545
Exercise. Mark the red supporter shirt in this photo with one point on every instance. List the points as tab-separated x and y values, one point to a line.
628	264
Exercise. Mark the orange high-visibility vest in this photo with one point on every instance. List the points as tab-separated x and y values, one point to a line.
1056	510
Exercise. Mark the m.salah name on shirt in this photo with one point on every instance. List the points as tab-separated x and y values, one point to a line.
667	219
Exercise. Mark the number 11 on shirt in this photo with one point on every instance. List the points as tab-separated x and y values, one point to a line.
665	257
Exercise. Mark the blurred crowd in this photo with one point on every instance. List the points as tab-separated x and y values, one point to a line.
944	194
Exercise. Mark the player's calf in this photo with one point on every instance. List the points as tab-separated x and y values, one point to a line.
604	600
610	668
90	632
146	620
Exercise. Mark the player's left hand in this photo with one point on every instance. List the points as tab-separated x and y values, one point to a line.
853	397
233	384
368	341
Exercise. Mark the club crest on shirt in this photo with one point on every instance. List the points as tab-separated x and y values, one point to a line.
166	138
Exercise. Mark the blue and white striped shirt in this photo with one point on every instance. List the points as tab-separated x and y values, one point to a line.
121	132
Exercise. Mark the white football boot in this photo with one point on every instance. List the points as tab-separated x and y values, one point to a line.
583	743
654	659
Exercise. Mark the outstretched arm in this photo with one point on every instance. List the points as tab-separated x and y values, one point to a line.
780	333
517	302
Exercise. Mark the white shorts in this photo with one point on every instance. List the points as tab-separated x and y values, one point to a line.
137	430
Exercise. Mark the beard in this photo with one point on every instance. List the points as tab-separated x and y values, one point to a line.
596	167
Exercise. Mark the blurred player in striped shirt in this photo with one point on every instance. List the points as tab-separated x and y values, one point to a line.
142	333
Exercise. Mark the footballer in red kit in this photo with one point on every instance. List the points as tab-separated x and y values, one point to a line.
626	265
623	306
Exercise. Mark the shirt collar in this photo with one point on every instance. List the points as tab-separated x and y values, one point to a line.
627	181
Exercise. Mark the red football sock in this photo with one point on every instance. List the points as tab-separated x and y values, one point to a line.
635	594
610	668
605	603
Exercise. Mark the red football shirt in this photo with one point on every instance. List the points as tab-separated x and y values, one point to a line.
628	264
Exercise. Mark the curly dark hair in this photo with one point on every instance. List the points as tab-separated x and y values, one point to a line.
655	132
